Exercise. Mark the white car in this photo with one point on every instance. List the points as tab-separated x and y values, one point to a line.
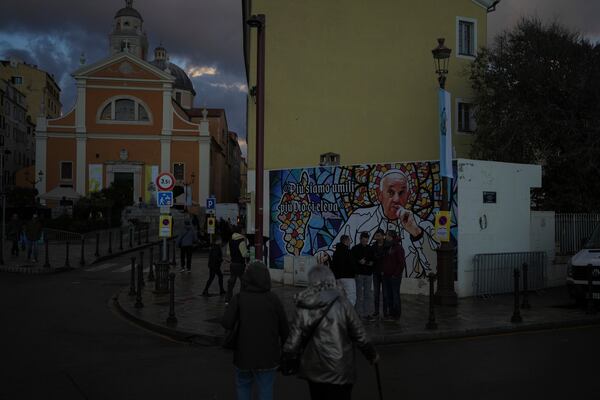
584	265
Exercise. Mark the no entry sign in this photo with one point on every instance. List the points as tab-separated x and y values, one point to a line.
165	181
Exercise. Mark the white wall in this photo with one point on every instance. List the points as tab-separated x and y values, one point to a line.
492	228
266	202
543	239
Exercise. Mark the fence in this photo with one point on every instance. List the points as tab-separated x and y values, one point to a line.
573	229
494	272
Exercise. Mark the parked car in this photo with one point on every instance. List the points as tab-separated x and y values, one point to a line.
584	265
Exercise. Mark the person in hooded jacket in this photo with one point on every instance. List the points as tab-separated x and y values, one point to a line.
263	328
325	330
186	244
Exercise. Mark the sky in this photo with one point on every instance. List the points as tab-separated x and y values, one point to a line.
204	37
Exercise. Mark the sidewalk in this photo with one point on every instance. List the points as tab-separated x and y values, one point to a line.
199	317
57	252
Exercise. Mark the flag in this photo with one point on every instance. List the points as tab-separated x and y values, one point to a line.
445	110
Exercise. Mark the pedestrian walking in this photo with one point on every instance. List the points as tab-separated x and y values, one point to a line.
186	244
344	269
323	335
215	259
238	252
33	234
379	251
394	264
262	328
362	257
13	233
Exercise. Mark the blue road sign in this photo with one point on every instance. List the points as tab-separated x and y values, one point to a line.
210	203
164	199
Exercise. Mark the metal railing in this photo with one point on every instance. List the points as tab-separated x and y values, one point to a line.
56	235
494	272
573	229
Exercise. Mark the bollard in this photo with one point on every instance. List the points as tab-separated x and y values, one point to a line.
97	253
140	284
151	265
67	263
174	260
139	242
141	266
590	293
82	255
516	317
132	280
147	238
161	283
109	242
130	237
172	319
47	262
431	324
525	304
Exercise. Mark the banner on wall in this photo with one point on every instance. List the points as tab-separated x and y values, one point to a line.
445	107
311	208
150	174
95	177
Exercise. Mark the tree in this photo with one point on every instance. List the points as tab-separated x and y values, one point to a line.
537	91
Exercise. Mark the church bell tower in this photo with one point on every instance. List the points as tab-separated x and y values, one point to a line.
128	34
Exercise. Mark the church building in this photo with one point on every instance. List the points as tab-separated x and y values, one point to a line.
131	121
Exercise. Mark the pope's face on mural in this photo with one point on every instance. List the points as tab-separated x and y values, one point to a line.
393	195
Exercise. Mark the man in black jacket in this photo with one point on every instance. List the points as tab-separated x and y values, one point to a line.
215	259
262	331
344	269
380	250
362	256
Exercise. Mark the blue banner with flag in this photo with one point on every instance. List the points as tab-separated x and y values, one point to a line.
445	110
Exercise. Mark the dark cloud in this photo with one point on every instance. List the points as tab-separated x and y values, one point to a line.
578	15
53	34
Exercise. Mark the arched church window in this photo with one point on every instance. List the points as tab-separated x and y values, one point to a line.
106	112
125	110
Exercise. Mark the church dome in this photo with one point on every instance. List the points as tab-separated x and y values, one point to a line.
182	80
128	12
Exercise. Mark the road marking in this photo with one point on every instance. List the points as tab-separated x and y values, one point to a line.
99	267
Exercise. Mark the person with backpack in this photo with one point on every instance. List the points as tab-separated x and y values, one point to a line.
343	268
262	327
215	259
322	338
186	243
238	251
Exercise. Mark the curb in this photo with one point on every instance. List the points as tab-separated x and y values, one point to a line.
400	338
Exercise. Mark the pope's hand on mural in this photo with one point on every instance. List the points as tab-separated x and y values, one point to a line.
407	219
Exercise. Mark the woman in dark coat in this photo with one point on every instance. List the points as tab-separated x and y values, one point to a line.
323	335
215	259
263	328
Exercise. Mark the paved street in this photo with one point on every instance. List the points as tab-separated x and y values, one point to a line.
61	339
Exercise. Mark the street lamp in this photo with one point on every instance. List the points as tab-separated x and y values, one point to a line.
34	181
258	22
445	253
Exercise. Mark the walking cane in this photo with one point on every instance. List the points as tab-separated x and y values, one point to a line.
378	381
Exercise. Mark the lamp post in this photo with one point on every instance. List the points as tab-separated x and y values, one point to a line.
258	22
34	181
445	253
3	192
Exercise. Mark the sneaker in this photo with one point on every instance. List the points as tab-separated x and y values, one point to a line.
189	271
182	270
389	318
222	293
205	294
371	318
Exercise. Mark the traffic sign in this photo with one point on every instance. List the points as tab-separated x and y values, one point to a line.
165	226
165	181
210	203
210	225
443	223
164	199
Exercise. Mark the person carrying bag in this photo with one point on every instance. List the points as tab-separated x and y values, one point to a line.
322	337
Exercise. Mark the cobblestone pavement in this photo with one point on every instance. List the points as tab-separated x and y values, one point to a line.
198	317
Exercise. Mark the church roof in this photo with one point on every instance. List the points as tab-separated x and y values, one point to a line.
182	80
128	12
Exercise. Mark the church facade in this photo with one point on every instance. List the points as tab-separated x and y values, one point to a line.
131	121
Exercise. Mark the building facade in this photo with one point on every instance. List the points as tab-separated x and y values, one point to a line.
17	140
41	91
133	119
